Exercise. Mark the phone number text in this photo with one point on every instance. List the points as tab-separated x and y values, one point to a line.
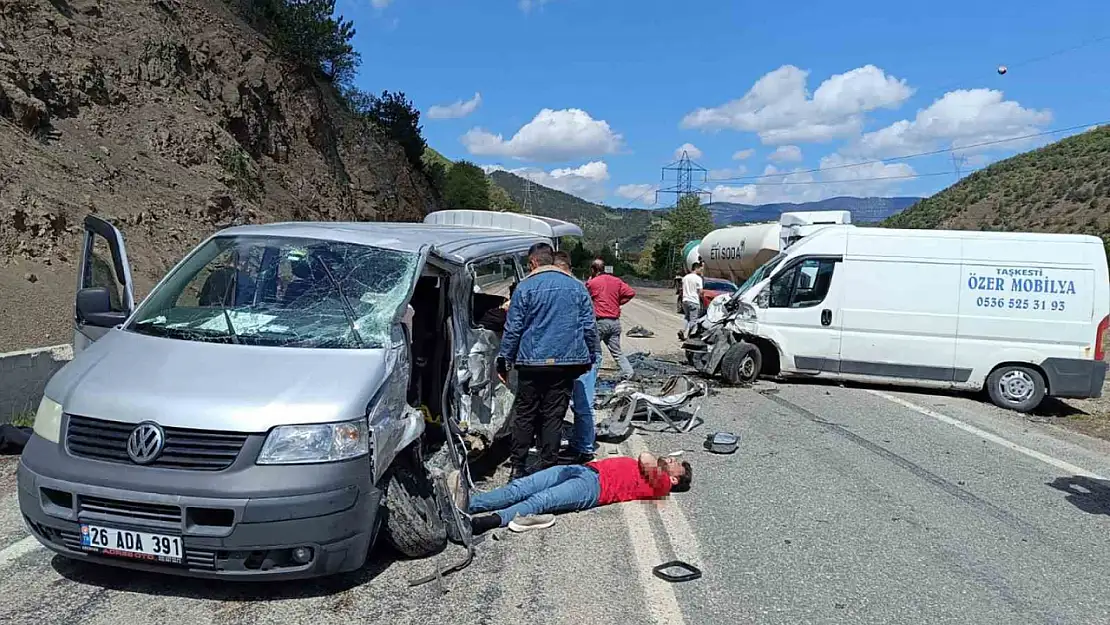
1020	303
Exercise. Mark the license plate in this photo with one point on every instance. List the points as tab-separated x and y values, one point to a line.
131	544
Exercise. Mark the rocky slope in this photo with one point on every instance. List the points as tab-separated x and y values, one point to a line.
173	119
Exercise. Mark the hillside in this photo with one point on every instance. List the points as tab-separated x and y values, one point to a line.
1062	187
863	209
172	118
602	225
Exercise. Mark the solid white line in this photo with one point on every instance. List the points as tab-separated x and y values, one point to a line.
659	595
994	438
13	552
683	539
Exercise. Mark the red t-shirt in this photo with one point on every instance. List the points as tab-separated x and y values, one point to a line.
609	293
622	480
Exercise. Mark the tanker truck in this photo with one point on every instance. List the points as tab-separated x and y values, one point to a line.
735	252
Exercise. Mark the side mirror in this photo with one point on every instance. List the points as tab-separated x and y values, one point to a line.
763	298
94	307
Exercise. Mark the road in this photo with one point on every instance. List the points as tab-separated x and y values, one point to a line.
843	505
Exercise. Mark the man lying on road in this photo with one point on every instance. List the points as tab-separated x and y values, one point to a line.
527	503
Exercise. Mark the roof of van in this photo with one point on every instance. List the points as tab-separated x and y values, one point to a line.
453	242
958	234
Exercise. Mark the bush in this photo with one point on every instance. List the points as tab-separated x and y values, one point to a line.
466	187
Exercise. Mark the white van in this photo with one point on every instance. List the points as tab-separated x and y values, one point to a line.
1022	315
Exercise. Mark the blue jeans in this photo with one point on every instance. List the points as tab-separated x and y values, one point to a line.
583	402
556	489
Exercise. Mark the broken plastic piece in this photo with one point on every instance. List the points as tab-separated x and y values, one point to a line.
677	571
722	443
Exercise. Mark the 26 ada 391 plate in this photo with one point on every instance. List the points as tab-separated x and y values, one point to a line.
123	543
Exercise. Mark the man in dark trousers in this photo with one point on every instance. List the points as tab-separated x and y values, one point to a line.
550	339
609	293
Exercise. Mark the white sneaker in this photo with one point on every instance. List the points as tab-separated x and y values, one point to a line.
532	522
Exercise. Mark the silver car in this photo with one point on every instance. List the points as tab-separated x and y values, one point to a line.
283	393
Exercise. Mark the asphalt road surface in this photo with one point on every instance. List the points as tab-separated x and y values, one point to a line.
842	505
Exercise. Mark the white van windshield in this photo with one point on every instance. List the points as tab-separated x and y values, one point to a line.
764	270
282	292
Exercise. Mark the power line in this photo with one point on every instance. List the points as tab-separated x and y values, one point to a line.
916	155
845	181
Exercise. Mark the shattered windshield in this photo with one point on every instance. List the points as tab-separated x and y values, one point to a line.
284	292
764	270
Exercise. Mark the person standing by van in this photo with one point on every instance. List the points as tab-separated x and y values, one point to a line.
554	310
691	296
580	447
609	293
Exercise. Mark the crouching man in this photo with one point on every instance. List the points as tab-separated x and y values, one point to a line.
528	502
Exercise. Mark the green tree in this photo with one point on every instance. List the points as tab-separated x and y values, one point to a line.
466	186
395	115
307	32
688	221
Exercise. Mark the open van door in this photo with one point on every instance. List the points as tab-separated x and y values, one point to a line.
105	292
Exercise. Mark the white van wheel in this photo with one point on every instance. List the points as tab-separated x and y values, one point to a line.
413	525
742	363
1016	388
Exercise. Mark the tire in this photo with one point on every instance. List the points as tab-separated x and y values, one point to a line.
413	525
1016	388
741	364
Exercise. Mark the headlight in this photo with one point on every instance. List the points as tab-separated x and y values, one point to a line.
48	420
746	312
324	442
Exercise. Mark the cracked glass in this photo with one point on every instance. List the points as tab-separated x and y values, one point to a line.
281	292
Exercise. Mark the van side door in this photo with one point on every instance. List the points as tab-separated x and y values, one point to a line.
802	312
105	292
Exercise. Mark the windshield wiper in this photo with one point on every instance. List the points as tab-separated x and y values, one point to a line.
232	334
348	310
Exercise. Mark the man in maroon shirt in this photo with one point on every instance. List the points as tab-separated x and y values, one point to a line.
577	487
609	293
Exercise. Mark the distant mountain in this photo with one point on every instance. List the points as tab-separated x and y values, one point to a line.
601	224
863	209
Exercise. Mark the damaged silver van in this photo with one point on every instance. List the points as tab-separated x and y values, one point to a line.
283	393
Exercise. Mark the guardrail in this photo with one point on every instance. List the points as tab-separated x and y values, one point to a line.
23	377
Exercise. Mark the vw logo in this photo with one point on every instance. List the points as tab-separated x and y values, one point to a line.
145	443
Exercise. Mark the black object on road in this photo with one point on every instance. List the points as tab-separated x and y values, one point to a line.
13	439
685	572
722	443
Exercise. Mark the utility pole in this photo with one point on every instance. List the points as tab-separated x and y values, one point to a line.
526	206
684	170
957	164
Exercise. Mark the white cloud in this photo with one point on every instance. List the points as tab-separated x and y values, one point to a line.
742	154
786	154
690	149
640	193
865	180
780	110
587	181
550	136
456	109
380	4
959	118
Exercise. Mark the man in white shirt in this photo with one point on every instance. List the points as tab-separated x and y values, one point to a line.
691	296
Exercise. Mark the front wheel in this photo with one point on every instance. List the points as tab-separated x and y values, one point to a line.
1015	387
741	363
413	525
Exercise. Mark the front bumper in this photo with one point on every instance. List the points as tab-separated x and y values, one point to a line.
242	523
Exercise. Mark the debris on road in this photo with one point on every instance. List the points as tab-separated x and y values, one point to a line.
639	332
13	439
677	571
722	443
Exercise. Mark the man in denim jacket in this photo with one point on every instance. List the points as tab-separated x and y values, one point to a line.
550	339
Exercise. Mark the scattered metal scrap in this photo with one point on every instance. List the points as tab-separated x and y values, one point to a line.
629	401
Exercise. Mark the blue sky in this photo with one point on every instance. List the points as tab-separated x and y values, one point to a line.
593	97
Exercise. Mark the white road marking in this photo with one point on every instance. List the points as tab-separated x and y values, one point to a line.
994	438
682	537
13	552
660	597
